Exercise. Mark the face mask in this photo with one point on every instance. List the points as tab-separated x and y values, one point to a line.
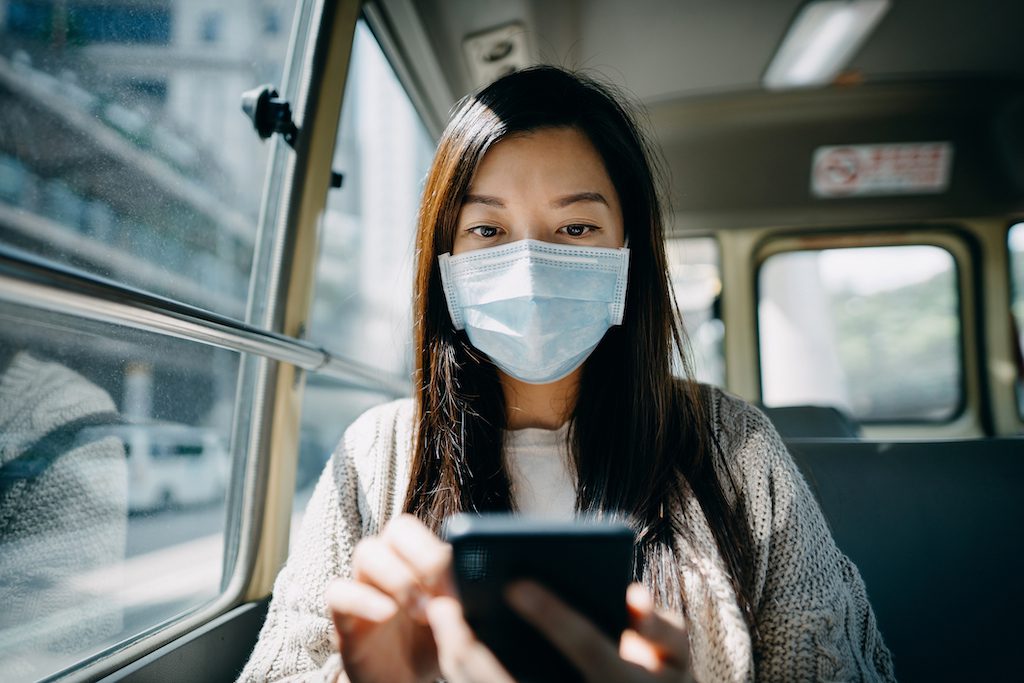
536	309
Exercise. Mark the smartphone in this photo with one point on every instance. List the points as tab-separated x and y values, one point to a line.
587	563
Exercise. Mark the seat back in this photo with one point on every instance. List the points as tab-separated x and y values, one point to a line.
936	531
812	422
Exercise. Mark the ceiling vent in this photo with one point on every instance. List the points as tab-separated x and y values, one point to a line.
496	52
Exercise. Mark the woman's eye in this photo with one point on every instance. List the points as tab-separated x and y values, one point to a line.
485	231
578	230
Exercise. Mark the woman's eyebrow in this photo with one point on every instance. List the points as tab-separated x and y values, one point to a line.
569	199
484	199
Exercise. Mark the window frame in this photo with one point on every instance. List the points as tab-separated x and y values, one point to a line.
967	419
285	269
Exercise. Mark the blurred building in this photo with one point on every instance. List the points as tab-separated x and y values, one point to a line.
123	129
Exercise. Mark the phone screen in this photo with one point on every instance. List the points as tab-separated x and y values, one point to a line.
588	564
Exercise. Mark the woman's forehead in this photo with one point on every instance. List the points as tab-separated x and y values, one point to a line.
551	159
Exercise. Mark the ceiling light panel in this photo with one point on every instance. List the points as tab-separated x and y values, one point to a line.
821	41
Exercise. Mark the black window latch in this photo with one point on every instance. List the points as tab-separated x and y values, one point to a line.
270	114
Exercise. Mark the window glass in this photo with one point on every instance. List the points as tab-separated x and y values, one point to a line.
1016	248
363	298
695	272
114	462
363	295
874	331
123	150
329	407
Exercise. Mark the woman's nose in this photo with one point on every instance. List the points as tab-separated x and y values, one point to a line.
535	230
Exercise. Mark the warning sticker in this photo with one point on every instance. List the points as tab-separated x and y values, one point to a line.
858	170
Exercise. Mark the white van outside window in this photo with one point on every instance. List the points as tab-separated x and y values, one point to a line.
170	465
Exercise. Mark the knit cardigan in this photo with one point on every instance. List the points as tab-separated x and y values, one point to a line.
810	604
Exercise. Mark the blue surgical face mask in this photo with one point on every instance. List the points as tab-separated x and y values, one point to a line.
536	309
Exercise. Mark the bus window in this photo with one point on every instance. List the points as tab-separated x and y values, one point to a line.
695	272
1016	249
361	306
128	156
123	155
874	331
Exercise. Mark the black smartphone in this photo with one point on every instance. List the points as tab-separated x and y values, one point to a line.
587	563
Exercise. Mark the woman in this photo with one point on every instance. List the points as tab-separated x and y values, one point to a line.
545	335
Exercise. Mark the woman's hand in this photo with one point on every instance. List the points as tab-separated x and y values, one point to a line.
655	649
378	616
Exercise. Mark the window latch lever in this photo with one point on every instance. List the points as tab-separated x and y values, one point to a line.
270	114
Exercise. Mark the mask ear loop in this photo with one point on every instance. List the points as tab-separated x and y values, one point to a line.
625	242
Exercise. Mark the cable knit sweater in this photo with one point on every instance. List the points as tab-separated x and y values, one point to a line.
811	607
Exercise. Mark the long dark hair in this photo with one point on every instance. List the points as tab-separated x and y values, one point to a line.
641	440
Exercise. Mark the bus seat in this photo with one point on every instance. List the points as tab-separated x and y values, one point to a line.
812	422
935	529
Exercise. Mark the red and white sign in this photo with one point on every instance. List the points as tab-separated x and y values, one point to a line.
859	170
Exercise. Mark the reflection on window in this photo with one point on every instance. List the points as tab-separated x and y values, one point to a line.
119	156
1016	249
874	331
364	275
695	274
114	465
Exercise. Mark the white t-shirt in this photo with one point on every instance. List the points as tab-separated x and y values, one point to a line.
538	466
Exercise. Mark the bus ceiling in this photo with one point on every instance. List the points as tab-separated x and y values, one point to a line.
740	141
